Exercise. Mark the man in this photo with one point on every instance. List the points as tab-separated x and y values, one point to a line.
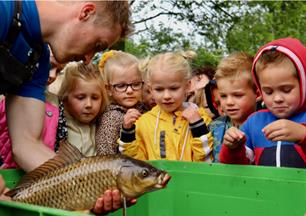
74	31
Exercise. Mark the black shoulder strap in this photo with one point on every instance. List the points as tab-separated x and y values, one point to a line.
13	32
15	26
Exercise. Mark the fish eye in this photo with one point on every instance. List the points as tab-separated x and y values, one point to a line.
144	173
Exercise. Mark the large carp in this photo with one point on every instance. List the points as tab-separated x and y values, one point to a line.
71	181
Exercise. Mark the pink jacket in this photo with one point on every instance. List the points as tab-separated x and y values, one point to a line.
49	133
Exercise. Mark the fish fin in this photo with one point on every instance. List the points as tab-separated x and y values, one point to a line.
67	154
11	192
15	191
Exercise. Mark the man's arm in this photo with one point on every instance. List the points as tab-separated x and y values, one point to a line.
25	119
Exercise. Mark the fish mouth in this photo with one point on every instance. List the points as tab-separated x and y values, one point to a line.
163	181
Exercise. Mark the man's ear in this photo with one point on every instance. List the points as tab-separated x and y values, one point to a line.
87	10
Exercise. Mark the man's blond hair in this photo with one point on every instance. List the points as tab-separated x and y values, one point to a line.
118	12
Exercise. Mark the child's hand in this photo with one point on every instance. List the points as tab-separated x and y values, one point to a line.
234	137
284	130
191	114
130	118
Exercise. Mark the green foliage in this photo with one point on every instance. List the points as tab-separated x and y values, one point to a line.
213	28
204	57
268	21
140	50
207	58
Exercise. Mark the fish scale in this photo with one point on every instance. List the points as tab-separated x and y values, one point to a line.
71	181
72	186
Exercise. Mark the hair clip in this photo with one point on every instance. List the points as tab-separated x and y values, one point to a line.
104	58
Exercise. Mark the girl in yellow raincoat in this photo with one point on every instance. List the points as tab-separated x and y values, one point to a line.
173	129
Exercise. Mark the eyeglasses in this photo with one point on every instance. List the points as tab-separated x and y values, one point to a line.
122	87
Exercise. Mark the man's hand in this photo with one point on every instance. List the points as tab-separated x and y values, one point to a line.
234	137
130	118
3	190
110	201
284	130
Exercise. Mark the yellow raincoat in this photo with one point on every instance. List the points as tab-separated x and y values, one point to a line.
162	135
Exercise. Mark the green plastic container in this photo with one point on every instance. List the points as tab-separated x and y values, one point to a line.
205	189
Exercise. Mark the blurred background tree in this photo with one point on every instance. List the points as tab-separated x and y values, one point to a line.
212	28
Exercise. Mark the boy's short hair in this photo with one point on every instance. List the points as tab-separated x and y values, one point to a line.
270	57
234	66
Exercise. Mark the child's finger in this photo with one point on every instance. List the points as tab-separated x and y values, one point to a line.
135	116
268	131
274	126
236	133
276	136
228	138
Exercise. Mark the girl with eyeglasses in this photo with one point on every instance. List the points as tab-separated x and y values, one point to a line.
124	86
174	129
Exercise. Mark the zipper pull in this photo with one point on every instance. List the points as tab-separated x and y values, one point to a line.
174	119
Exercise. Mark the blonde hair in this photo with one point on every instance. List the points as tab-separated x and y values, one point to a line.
273	57
200	98
115	59
171	62
142	67
235	66
78	70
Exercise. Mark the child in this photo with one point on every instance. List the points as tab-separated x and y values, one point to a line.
200	78
124	86
172	130
276	136
203	90
237	95
84	97
147	97
55	129
213	99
